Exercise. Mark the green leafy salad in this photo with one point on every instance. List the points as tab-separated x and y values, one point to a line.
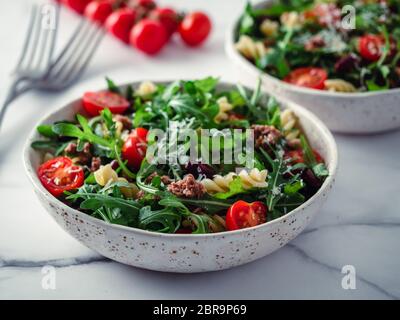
335	45
185	157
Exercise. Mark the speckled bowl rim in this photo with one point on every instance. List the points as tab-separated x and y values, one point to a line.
323	131
233	54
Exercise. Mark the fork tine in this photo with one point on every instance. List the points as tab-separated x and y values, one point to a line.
68	45
79	55
48	43
36	30
28	36
85	57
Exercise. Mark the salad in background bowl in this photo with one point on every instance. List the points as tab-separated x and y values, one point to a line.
92	169
343	67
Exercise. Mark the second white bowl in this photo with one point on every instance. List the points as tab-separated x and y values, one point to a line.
356	113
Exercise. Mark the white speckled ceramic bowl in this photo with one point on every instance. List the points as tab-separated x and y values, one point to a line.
356	113
179	252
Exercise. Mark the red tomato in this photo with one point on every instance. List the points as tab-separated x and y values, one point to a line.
297	156
120	22
327	14
244	215
168	18
195	28
371	47
307	77
148	36
99	10
60	174
76	5
134	148
94	102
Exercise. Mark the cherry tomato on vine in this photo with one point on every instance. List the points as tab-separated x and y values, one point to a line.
134	148
94	102
195	28
168	18
244	215
99	10
120	23
76	5
307	77
146	4
148	36
60	174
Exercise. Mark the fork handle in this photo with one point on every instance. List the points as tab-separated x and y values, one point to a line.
12	94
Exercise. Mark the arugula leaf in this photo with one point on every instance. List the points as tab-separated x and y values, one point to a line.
235	187
207	84
112	86
319	169
46	131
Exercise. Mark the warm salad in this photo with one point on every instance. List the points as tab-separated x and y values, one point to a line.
335	45
110	164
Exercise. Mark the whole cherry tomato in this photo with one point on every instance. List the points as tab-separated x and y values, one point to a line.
76	5
371	46
134	148
195	28
307	77
168	18
94	102
120	22
99	10
148	36
60	174
244	215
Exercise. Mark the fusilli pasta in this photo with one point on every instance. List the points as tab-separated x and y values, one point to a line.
269	27
249	48
105	174
339	85
224	107
218	183
291	19
253	179
146	88
289	125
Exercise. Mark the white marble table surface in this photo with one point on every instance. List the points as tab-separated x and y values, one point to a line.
359	225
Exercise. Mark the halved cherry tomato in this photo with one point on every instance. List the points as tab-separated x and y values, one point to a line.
244	215
148	36
60	174
120	22
76	5
307	77
326	14
168	18
195	28
134	148
297	156
94	102
99	10
371	46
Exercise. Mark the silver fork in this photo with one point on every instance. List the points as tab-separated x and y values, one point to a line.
35	57
70	63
